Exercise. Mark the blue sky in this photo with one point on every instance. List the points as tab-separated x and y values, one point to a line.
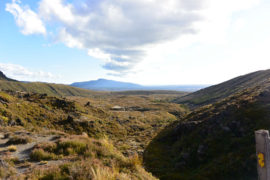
146	42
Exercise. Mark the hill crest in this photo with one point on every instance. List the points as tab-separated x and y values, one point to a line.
217	92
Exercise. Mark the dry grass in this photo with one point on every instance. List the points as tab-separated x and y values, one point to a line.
94	159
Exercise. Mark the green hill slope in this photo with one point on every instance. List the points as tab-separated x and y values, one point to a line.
215	93
49	89
215	141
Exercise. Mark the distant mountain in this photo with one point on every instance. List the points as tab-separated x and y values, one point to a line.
106	85
215	141
217	92
111	85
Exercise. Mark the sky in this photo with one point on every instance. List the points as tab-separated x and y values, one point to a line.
150	42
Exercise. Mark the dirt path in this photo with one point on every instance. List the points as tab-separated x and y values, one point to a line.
22	154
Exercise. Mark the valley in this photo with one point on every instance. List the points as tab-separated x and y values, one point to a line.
139	134
134	90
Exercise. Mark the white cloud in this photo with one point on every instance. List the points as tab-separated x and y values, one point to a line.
125	32
25	18
19	72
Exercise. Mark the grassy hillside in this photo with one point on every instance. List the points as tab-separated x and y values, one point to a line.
44	137
215	93
45	88
213	142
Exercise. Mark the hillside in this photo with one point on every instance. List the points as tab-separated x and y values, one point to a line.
43	88
217	92
81	137
215	141
3	77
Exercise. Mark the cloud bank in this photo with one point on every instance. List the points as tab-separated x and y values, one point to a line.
21	73
120	32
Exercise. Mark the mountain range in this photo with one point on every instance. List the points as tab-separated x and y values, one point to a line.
111	85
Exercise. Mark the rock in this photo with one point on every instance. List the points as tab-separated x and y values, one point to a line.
2	122
12	123
87	104
84	134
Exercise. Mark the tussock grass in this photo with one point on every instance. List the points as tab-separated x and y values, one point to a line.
19	140
12	148
40	155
